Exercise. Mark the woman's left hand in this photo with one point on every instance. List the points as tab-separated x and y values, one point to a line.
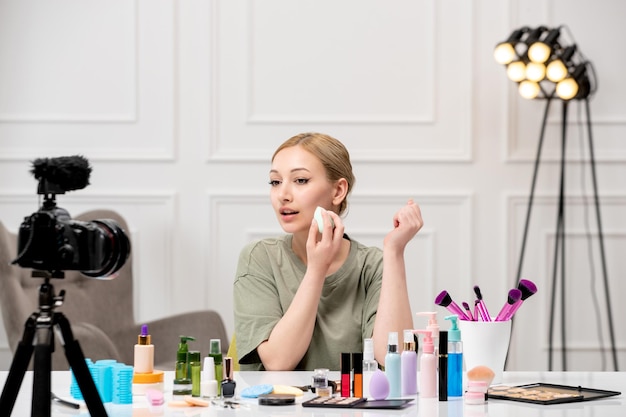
406	223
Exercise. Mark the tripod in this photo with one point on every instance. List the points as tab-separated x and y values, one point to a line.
559	249
39	337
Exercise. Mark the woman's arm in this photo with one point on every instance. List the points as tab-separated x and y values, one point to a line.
291	337
394	310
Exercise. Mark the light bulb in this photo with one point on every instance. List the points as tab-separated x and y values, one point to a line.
504	53
556	71
516	71
539	52
528	89
535	72
567	89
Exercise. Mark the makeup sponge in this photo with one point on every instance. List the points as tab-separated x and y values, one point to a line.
379	385
320	220
481	373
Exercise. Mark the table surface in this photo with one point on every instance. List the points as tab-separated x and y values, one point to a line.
454	407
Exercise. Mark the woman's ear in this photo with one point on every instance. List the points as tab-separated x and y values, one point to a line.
341	191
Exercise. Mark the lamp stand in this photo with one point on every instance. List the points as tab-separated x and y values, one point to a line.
559	249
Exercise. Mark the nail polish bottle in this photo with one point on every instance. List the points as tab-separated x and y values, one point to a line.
228	383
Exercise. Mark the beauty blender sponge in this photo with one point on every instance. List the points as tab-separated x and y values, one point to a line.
320	220
379	385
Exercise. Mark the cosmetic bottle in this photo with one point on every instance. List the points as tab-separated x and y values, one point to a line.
455	358
144	353
228	383
357	374
216	353
370	365
346	369
428	367
392	366
443	365
182	375
408	364
209	382
432	326
195	366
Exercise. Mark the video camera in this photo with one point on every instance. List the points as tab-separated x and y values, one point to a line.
51	242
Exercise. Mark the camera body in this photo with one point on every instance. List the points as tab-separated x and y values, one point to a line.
49	240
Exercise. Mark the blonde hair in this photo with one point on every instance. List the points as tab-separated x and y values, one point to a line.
333	155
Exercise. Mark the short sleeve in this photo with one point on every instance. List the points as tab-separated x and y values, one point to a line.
256	302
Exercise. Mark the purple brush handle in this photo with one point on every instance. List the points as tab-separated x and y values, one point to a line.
511	310
482	310
455	309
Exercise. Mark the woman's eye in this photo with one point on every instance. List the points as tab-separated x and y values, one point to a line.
301	180
274	183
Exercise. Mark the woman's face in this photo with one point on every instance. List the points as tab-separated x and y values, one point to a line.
298	185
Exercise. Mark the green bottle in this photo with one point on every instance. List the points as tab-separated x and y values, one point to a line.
216	353
182	361
195	365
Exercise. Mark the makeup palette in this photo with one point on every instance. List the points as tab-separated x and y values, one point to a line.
541	393
356	402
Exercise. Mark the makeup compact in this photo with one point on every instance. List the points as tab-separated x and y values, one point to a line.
541	393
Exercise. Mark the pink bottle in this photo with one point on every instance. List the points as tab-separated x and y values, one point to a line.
428	367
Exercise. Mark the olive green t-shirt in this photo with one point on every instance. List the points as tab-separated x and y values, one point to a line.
268	276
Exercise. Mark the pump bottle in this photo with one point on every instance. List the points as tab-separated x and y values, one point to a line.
144	353
182	362
369	366
432	326
392	366
455	358
428	367
408	364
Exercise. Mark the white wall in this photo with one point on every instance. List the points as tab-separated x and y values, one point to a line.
179	106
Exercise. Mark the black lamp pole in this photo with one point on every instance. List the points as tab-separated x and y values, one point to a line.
559	250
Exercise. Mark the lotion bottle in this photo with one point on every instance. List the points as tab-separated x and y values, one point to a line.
392	366
455	358
144	353
408	364
428	367
216	353
370	365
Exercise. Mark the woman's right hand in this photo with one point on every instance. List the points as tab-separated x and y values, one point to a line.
322	252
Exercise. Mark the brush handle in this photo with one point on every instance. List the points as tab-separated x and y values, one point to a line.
482	311
509	310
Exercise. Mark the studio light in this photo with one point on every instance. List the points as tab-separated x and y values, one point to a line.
546	66
541	56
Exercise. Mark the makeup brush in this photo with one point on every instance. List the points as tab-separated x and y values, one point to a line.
527	288
444	300
514	300
482	308
468	311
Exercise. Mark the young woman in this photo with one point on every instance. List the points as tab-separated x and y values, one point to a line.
303	298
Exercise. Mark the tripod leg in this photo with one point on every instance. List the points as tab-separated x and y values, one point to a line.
76	360
601	237
42	368
18	368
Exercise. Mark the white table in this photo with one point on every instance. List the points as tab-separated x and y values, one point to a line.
609	407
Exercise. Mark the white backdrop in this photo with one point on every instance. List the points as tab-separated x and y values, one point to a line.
179	105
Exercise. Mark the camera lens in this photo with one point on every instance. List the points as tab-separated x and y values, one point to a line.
116	249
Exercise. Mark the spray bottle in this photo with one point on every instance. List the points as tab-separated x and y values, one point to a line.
392	366
408	363
428	366
455	358
370	365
